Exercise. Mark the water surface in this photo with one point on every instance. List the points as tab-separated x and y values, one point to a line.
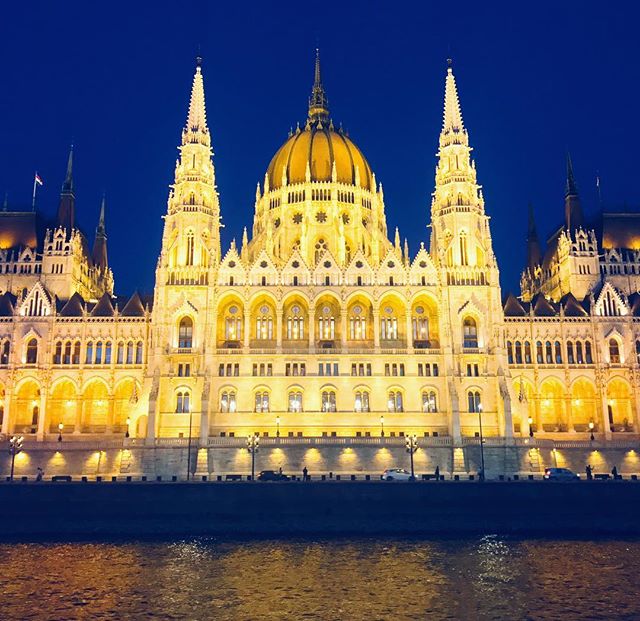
487	578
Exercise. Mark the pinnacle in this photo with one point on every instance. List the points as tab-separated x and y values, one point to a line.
197	119
452	115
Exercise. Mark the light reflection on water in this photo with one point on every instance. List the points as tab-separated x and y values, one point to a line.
488	578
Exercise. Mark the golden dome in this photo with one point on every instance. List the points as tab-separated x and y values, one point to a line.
319	146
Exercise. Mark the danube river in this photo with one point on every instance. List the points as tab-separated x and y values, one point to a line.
487	578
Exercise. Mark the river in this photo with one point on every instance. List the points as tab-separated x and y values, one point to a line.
474	579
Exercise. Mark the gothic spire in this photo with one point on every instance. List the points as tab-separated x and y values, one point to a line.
318	102
99	253
67	186
196	129
452	121
67	206
571	188
573	215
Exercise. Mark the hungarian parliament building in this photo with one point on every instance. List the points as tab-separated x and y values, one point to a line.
321	323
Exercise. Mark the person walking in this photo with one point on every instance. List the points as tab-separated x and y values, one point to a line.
437	473
305	473
39	474
589	471
614	472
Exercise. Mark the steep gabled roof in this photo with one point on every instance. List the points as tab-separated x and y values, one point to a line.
634	303
104	307
542	307
134	307
7	305
74	306
571	306
513	307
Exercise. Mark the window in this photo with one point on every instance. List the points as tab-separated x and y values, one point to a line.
475	405
190	248
464	259
262	401
89	356
429	401
328	368
637	351
361	403
67	353
328	401
548	352
470	332
4	356
614	351
570	357
518	352
527	352
138	352
357	325
295	324
394	401
579	356
558	351
539	357
120	354
184	370
98	352
130	352
182	402
264	325
587	347
326	328
389	329
185	334
473	370
295	401
58	353
228	401
233	325
510	352
107	352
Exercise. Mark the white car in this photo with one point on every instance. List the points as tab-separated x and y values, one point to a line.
396	474
560	474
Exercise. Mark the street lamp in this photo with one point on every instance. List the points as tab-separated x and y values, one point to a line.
277	426
126	433
530	421
591	426
15	447
481	441
60	428
412	447
382	426
253	444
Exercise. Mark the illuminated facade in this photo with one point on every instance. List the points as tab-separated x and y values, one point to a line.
319	324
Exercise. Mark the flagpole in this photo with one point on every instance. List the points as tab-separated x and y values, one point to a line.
35	185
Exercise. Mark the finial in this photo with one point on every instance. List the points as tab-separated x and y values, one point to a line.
198	61
318	102
449	63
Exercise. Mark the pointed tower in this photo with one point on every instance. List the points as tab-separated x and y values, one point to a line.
573	215
66	208
191	241
534	254
99	254
318	102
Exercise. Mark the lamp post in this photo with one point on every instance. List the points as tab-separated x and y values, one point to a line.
530	421
591	426
60	428
382	426
15	447
412	447
253	444
277	426
126	433
481	442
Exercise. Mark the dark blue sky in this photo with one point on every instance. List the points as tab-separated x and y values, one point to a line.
534	81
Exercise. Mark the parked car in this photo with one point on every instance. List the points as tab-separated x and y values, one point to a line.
560	474
396	474
272	475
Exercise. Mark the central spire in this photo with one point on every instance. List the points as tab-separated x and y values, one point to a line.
452	121
196	129
318	102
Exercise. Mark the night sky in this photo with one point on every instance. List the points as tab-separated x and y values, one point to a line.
114	78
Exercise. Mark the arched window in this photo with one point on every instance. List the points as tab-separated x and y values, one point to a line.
120	358
4	356
420	326
558	352
429	401
107	352
527	352
587	349
228	401
76	353
464	258
264	325
475	405
361	402
357	324
614	351
570	357
539	356
394	401
295	324
579	356
510	352
548	352
130	352
183	399
57	355
185	333
67	353
470	332
321	246
518	352
295	401
326	325
99	352
262	401
190	248
139	352
233	325
89	354
328	401
388	328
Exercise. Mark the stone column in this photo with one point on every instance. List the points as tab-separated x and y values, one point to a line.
110	414
343	327
606	429
279	330
80	405
376	328
569	413
247	327
204	410
409	332
312	329
42	415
